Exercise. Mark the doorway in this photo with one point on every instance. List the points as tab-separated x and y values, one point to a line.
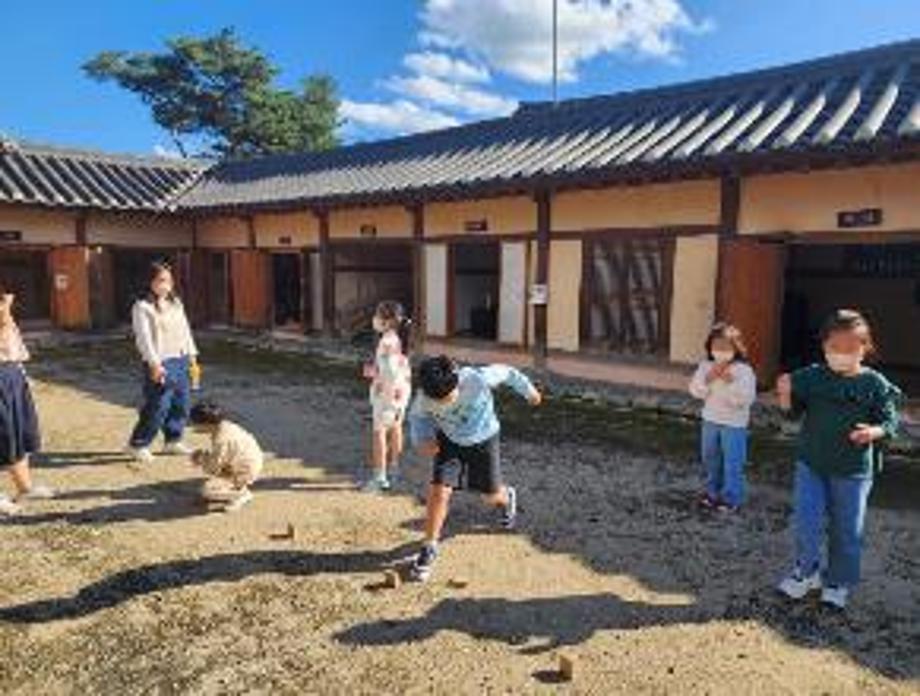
287	297
218	288
366	274
880	280
25	273
476	278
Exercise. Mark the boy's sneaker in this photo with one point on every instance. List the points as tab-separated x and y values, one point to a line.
142	455
8	508
237	503
37	492
509	513
376	484
796	586
722	506
177	448
423	565
835	597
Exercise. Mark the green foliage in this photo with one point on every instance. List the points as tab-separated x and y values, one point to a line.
221	90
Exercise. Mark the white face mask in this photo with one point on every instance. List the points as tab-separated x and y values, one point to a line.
723	356
379	325
842	362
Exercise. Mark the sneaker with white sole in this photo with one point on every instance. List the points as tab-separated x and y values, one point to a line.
423	565
835	597
376	484
797	585
8	508
509	512
177	448
237	503
37	492
142	455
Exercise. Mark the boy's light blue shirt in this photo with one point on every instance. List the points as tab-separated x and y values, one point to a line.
470	419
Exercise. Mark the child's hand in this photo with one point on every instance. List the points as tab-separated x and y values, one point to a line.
864	434
535	399
369	371
717	371
727	375
157	373
428	449
197	457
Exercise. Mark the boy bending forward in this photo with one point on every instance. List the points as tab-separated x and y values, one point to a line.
453	421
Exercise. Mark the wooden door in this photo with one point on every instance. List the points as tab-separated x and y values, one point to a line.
251	281
102	288
750	296
70	306
196	282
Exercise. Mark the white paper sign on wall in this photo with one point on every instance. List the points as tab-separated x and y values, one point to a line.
61	282
539	294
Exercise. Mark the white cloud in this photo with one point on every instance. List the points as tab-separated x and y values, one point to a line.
460	97
166	152
515	36
400	116
441	65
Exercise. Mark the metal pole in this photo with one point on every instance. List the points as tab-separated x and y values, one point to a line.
555	51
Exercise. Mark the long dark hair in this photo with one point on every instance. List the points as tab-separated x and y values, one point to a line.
154	270
392	311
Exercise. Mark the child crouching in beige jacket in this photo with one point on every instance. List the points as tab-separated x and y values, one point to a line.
233	462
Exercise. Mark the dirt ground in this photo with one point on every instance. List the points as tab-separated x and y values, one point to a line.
124	585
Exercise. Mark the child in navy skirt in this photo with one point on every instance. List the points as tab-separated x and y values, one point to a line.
19	435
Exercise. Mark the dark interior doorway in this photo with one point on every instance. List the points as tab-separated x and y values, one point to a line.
219	288
880	280
476	275
287	280
366	274
25	274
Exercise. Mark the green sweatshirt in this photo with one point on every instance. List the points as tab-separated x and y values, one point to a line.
833	405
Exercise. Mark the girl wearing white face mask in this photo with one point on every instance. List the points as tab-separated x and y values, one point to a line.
391	386
727	385
848	410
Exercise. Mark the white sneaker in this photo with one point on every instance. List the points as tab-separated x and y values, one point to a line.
796	587
237	503
178	448
835	597
37	492
142	455
7	507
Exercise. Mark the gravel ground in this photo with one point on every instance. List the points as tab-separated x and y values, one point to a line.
125	585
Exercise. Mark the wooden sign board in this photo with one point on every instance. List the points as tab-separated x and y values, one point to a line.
539	295
867	217
368	231
10	236
284	241
476	225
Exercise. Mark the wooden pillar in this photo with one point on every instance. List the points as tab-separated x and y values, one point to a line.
540	311
252	240
729	206
417	212
327	271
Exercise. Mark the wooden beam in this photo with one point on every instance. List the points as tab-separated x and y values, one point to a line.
729	210
417	211
327	272
541	334
252	240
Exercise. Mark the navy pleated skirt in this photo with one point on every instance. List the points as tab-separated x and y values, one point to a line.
19	433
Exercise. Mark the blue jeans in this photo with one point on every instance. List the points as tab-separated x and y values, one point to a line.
841	501
724	452
166	406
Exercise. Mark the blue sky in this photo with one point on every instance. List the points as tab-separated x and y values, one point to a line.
406	65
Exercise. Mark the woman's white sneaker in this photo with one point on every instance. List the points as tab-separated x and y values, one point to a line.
796	586
237	503
142	455
177	448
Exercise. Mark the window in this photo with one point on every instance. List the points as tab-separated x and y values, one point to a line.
627	295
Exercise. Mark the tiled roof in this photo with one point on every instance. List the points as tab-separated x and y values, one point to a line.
867	102
47	176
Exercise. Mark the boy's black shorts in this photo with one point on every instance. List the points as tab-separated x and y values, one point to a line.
476	468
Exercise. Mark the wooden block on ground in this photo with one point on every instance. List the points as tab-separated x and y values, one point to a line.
458	583
391	579
567	667
291	531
